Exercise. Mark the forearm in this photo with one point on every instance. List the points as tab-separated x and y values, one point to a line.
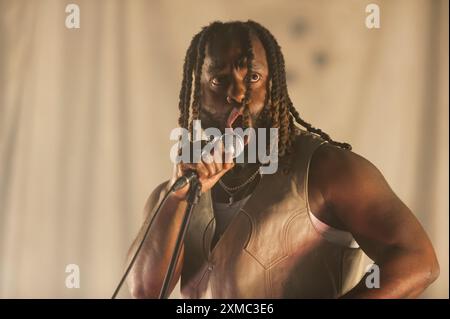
401	275
147	275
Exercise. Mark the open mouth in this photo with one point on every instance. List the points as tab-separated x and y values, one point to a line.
236	120
232	120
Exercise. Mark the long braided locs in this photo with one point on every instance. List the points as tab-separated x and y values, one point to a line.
279	112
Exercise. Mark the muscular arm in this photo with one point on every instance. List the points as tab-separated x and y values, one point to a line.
147	275
357	197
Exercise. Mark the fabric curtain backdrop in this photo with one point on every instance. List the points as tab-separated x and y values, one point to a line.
85	117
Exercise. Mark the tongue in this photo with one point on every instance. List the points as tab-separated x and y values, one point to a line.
236	120
234	115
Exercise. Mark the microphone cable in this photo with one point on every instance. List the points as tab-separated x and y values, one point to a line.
179	183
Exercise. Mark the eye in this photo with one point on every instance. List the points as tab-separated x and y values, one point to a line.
255	77
217	81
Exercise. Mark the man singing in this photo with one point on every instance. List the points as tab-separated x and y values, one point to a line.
304	231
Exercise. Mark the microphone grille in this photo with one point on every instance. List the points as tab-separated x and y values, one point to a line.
233	143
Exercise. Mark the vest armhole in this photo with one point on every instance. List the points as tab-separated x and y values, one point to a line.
331	234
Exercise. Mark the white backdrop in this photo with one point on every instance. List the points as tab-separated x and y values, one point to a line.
85	116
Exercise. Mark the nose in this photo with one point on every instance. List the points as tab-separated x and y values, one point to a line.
236	91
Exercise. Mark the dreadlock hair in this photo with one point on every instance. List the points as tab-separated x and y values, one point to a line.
279	111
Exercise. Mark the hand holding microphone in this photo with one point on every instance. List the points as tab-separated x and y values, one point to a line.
216	160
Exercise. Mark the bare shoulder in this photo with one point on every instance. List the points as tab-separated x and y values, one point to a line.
154	197
340	179
333	163
332	166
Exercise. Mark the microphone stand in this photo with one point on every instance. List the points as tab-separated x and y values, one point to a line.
192	200
193	196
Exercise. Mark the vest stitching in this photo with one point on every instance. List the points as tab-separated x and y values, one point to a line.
206	250
288	245
285	254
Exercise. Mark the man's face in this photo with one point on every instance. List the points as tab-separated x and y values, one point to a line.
223	83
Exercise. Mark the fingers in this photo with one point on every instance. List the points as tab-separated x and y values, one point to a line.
208	163
228	163
213	165
200	168
218	156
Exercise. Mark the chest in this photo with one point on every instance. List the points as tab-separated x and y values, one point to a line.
265	233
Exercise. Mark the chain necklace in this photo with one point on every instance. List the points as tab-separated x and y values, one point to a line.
231	191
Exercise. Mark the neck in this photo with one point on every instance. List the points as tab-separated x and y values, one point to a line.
240	171
240	175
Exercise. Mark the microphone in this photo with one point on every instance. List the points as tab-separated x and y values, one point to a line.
188	177
233	143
